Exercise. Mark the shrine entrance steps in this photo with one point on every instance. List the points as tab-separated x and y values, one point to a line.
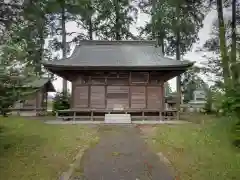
117	118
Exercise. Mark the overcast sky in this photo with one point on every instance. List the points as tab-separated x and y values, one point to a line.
142	19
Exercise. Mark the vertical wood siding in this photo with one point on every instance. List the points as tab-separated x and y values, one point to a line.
138	97
138	90
80	97
154	97
117	96
97	97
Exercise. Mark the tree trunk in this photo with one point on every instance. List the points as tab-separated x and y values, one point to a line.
153	19
178	85
162	46
90	30
223	47
40	52
64	41
178	57
90	23
160	42
234	69
117	20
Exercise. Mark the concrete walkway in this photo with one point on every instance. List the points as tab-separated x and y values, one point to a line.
122	154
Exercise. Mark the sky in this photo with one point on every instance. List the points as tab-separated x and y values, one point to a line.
197	57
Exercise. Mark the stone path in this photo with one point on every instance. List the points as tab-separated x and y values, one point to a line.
122	154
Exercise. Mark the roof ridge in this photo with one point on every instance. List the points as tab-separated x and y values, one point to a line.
117	42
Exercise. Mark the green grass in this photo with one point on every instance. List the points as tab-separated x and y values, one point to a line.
30	149
199	151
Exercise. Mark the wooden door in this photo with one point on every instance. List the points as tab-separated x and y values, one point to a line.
117	97
154	100
80	97
97	97
138	97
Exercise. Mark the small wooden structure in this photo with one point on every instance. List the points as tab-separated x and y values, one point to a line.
36	102
117	77
198	102
171	101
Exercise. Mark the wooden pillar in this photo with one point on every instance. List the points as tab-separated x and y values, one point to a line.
89	92
45	98
129	90
163	96
163	100
146	92
72	95
38	102
105	97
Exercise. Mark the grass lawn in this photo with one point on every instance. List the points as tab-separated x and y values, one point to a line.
32	150
197	151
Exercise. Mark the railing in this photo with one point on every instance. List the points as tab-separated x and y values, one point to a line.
73	114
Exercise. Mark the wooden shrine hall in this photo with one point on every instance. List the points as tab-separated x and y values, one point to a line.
117	77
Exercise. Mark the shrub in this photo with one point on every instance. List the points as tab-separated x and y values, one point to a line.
231	103
236	134
61	101
231	106
209	103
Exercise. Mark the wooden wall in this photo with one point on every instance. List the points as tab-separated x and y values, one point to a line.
35	100
101	90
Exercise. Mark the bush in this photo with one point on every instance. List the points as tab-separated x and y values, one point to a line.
209	102
61	101
231	103
236	134
231	106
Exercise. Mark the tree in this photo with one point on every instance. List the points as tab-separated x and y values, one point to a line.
11	81
114	18
190	81
223	47
57	10
61	12
228	64
33	31
166	14
235	73
86	19
214	66
175	25
9	14
8	94
29	32
22	49
167	89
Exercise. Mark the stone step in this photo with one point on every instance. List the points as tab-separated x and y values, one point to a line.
117	118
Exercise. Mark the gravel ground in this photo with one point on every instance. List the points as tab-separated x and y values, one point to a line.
122	154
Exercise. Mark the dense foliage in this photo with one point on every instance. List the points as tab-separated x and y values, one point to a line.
8	92
223	64
10	88
61	101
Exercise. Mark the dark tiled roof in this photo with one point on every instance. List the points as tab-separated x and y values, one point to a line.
40	82
37	82
97	54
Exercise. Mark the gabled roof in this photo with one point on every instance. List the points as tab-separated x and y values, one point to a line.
40	82
98	54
